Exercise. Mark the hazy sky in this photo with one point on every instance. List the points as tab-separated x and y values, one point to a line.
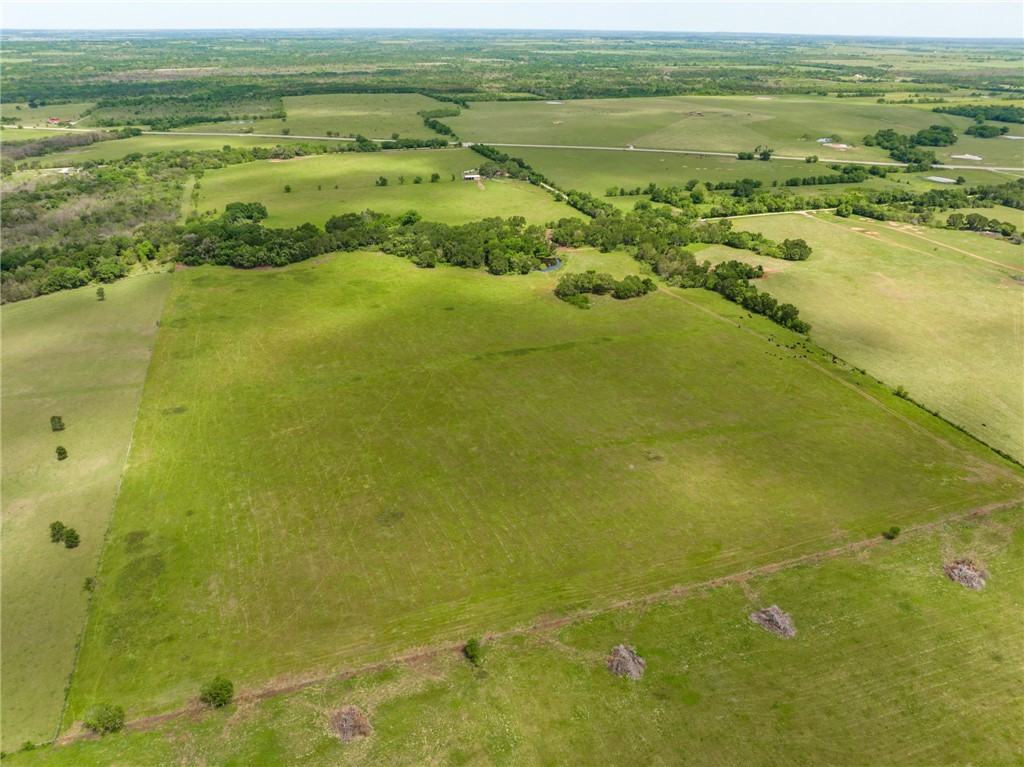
921	18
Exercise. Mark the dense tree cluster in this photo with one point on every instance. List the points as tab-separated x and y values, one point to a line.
987	131
573	288
1003	113
60	142
903	148
975	222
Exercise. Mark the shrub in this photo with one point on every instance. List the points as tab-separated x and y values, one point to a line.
56	423
218	692
472	651
101	294
71	539
90	584
62	453
287	188
891	533
57	531
105	718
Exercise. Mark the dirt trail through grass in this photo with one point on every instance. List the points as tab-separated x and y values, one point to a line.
545	625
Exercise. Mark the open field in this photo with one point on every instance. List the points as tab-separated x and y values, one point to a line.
375	115
118	148
69	355
594	170
892	664
348	458
314	197
913	308
39	115
789	124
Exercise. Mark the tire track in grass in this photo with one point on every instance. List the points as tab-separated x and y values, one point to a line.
545	624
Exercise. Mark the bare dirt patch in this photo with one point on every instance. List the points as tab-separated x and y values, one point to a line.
967	573
350	723
776	621
625	662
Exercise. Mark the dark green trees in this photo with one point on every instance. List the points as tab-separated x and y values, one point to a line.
56	423
218	692
56	532
62	453
105	718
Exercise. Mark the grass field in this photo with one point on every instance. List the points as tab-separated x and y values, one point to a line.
912	307
892	664
346	459
375	115
69	355
39	115
115	150
789	124
314	196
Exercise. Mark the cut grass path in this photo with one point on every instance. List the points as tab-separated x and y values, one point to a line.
65	354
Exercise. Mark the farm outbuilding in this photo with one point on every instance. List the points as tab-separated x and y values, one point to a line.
471	175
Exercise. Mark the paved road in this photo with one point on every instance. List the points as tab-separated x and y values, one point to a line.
551	146
733	154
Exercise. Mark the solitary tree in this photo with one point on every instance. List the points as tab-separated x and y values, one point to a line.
56	423
56	532
435	177
101	294
105	718
472	651
418	180
217	692
61	453
71	539
287	188
382	181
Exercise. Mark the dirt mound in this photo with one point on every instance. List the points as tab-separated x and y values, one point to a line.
967	573
774	620
625	662
350	723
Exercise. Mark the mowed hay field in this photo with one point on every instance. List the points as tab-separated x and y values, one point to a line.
348	458
85	360
789	124
891	664
935	311
374	115
313	197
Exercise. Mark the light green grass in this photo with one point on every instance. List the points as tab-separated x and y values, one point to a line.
375	115
13	135
40	115
892	664
595	171
914	312
355	175
69	355
114	150
728	124
345	459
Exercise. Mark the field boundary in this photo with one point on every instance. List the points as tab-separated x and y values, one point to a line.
679	592
106	534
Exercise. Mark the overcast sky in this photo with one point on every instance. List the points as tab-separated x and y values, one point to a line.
923	18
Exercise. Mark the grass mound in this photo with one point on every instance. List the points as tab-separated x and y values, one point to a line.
625	662
350	723
776	621
967	573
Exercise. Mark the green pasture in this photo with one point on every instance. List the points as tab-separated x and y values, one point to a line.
789	124
936	311
892	664
106	151
18	135
594	171
374	115
351	457
70	355
314	198
39	115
